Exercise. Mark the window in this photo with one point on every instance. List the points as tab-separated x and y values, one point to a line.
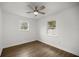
24	26
51	28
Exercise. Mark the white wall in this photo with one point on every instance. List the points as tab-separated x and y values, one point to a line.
67	27
12	34
0	31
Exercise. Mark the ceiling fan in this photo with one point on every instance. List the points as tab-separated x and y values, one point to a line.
36	10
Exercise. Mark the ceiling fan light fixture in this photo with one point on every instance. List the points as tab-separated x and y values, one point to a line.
37	10
35	13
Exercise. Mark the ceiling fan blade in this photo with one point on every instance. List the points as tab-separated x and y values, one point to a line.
41	12
29	12
31	7
42	7
36	7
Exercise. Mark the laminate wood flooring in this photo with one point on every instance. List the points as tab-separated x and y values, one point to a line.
34	49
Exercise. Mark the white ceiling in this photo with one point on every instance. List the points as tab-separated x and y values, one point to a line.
20	8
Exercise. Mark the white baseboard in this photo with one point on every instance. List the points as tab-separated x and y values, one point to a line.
18	43
57	47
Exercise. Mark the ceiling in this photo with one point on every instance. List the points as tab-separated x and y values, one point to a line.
20	8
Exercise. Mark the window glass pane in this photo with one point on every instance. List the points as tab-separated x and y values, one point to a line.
51	28
24	25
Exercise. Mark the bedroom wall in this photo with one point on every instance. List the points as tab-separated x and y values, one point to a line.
12	34
1	31
67	35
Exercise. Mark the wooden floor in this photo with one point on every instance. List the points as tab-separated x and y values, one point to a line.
34	49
